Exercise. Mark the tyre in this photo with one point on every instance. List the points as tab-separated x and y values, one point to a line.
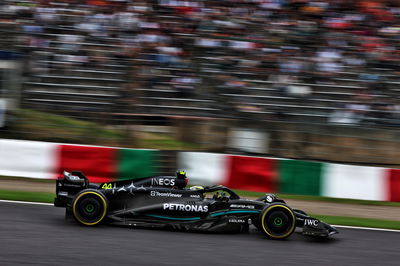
89	207
277	221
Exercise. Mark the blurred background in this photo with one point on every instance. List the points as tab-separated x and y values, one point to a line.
300	79
295	97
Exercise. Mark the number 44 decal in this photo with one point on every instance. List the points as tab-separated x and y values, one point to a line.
107	186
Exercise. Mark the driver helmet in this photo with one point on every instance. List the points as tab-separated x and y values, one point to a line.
220	195
181	174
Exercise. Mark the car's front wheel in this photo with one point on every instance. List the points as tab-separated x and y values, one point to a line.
89	207
277	221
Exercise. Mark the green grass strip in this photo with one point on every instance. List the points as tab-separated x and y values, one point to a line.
28	179
252	194
361	222
27	196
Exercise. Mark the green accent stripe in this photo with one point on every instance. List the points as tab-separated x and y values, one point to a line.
300	177
231	212
136	163
174	218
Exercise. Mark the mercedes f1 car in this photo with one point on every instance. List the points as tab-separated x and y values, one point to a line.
164	202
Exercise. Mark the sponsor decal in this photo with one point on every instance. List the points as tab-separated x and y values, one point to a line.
185	207
239	221
131	187
241	206
141	188
163	181
164	194
122	189
195	196
115	189
311	222
63	193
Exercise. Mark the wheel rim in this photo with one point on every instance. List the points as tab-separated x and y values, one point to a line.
89	208
278	222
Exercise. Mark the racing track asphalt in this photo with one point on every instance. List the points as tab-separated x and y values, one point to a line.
39	235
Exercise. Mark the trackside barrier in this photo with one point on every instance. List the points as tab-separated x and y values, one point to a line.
34	159
292	176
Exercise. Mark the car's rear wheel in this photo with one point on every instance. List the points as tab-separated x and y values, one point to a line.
89	207
277	221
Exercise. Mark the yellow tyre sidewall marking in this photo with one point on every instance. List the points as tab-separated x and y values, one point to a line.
265	213
104	205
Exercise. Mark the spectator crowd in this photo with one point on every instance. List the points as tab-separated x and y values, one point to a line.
338	54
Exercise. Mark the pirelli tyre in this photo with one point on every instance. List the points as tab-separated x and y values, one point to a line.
89	207
277	221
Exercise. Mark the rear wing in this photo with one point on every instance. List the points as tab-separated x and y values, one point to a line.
68	186
76	177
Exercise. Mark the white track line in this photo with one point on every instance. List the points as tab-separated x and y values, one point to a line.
339	226
27	202
367	228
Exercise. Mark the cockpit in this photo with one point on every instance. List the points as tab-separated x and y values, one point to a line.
219	192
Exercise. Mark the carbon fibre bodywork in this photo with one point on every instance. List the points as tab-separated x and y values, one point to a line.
164	202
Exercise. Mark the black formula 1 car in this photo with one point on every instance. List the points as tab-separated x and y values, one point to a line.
164	202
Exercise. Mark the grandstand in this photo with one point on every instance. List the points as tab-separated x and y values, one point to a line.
320	62
74	67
